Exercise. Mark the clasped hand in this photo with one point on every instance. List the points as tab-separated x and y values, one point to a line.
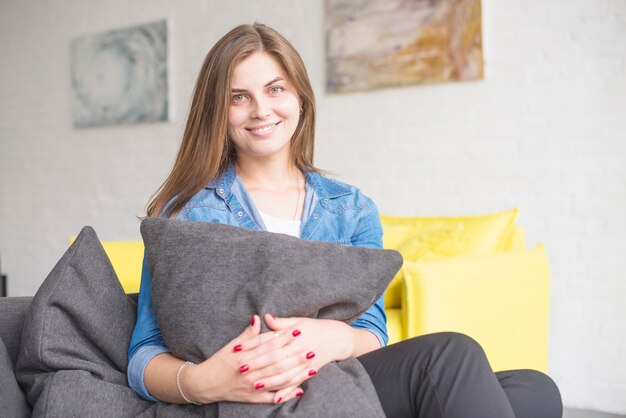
269	367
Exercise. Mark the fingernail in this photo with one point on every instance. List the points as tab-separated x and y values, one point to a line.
278	400
295	332
259	386
252	322
312	372
273	317
244	368
299	393
238	347
310	355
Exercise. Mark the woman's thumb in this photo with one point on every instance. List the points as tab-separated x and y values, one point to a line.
278	324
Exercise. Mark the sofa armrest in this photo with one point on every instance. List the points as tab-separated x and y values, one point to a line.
501	300
13	311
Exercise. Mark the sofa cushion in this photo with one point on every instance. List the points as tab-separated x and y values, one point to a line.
421	238
501	300
431	238
12	400
209	279
75	339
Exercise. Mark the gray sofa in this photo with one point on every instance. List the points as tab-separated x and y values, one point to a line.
13	312
12	315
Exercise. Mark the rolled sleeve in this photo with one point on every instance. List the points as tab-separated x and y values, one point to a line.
374	320
137	367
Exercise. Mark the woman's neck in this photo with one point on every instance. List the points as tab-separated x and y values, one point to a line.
276	187
267	175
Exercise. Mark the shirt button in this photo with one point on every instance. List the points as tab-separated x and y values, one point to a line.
240	213
220	191
325	200
315	216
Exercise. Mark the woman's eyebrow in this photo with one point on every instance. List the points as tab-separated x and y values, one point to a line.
269	83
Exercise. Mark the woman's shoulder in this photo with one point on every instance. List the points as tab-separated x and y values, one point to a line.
203	200
338	193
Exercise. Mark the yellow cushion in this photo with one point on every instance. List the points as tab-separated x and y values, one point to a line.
420	238
517	239
127	259
501	300
428	238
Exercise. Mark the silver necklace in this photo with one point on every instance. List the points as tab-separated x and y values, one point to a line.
295	213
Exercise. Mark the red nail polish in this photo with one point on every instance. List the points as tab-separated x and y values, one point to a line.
238	347
310	355
312	372
244	368
296	332
252	322
299	393
259	386
278	400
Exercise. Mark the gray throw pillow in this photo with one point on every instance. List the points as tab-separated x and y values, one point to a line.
74	345
209	279
12	400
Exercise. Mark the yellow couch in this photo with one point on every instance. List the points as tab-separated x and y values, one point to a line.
471	275
464	274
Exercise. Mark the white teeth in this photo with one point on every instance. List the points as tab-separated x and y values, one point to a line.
263	130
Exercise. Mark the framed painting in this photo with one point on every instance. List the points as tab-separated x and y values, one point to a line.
384	43
120	76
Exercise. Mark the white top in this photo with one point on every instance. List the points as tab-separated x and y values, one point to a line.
281	226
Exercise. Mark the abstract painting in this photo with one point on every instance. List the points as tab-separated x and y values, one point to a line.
120	76
382	43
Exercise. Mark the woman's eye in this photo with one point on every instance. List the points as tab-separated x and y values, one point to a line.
276	89
238	98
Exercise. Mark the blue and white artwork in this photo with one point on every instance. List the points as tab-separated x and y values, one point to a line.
120	76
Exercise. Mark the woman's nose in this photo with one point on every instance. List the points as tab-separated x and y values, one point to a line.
260	110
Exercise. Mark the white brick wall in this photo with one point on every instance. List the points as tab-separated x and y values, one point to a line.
544	131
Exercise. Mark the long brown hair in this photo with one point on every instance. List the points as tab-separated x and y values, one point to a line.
205	152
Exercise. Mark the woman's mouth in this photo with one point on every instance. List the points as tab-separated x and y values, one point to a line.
263	130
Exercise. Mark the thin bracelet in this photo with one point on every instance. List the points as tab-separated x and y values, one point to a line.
180	389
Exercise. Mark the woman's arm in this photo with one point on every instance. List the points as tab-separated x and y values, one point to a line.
369	234
160	378
146	341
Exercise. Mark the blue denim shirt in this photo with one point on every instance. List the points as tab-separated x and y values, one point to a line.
333	212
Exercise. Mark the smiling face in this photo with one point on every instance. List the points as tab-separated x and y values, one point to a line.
264	109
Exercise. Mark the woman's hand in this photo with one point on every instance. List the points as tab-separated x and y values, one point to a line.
319	340
248	369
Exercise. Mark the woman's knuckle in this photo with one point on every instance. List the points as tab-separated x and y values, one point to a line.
275	343
280	368
248	380
282	380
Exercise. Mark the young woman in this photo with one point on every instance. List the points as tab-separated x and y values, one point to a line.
246	159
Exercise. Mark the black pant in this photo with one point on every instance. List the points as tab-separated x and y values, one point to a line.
448	375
